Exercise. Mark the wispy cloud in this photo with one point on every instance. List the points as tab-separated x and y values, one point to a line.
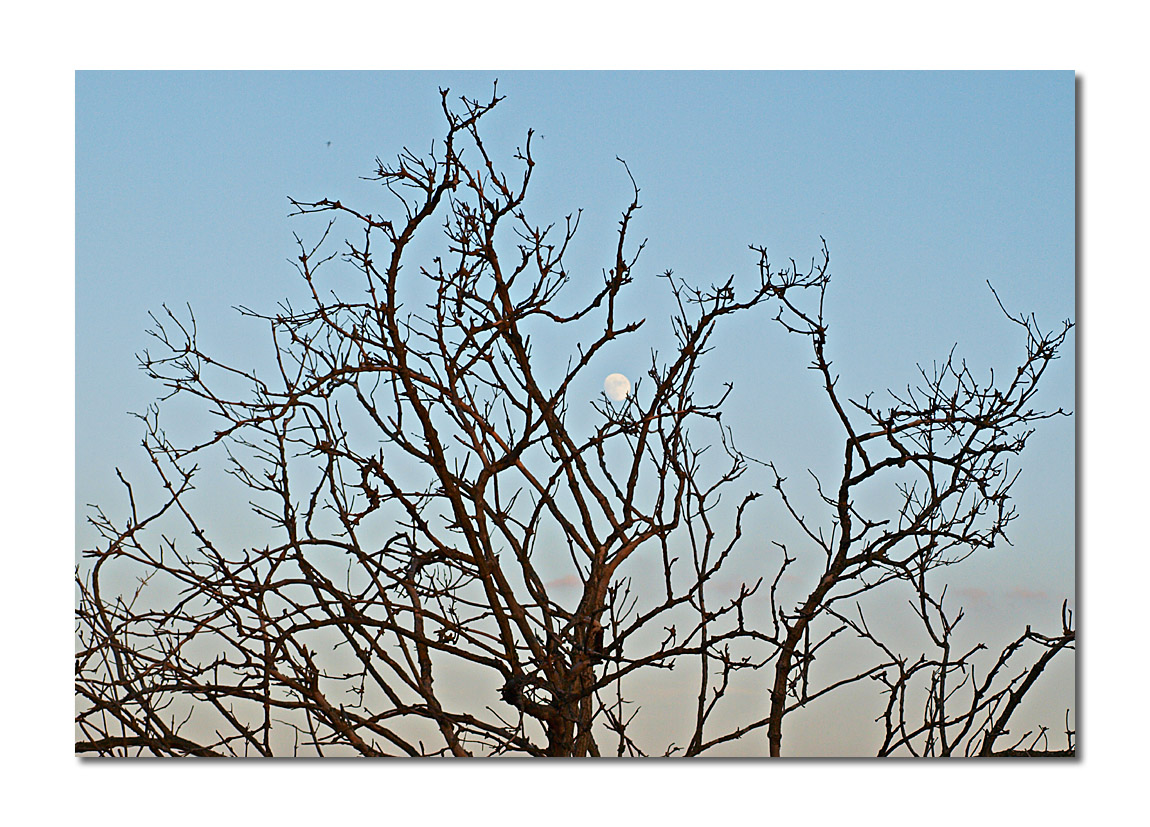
973	594
570	581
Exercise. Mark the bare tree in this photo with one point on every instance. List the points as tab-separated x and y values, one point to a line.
422	485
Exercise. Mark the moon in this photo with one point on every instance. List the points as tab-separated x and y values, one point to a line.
617	386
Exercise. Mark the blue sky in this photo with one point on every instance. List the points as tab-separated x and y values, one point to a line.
924	186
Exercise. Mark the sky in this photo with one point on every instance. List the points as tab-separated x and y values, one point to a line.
924	186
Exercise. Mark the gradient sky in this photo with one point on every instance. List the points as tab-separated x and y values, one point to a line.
924	186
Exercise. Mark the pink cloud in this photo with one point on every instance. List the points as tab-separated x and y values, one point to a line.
571	581
972	593
729	587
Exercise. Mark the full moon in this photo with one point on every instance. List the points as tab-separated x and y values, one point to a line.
617	386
